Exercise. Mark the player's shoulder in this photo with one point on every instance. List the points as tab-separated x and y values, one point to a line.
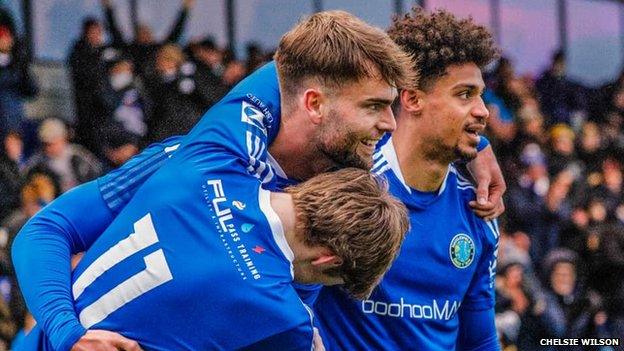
466	192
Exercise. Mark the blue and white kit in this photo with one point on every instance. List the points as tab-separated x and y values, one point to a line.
441	282
237	132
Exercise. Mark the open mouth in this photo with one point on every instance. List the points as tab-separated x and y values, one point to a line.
370	143
474	130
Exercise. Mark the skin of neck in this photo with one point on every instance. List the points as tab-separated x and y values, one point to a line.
294	147
422	167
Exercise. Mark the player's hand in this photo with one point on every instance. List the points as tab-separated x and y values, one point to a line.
490	185
317	341
188	4
104	340
106	3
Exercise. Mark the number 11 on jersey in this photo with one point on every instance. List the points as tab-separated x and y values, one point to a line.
156	273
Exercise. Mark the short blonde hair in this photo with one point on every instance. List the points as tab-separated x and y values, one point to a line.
337	48
351	213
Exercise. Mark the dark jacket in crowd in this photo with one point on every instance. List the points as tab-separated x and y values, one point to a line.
10	183
16	84
126	109
87	69
179	102
559	97
609	270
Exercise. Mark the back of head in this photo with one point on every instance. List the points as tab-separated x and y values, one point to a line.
439	40
337	48
351	213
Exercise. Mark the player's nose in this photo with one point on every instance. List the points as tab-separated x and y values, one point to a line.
387	123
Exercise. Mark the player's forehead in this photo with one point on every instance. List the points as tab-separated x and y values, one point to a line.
466	75
368	89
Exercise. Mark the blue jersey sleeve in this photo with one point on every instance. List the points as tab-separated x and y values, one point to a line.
477	331
296	339
41	256
242	125
483	143
43	248
480	294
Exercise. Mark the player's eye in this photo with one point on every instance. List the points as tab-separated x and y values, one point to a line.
465	94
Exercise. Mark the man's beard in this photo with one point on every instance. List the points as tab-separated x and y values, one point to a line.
341	152
464	155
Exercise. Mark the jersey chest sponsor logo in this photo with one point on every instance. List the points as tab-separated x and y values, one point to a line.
436	310
462	250
223	219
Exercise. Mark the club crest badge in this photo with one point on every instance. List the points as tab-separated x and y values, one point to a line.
462	250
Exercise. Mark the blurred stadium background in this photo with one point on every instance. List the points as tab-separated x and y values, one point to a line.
557	126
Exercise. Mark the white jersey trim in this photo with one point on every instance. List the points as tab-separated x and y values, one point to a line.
277	229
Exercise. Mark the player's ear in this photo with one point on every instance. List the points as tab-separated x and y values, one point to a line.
327	261
412	100
312	103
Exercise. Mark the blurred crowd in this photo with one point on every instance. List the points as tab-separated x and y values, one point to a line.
560	145
561	253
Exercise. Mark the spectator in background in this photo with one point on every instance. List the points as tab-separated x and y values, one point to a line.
536	206
233	73
6	19
562	155
207	56
10	176
143	48
16	84
70	162
178	93
609	275
123	105
566	308
514	299
531	127
560	99
120	146
526	198
208	59
610	191
591	149
255	57
86	64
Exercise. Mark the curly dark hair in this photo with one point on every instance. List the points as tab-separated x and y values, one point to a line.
439	40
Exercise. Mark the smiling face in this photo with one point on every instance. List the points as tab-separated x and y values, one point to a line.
356	117
454	112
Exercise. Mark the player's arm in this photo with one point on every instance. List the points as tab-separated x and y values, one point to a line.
490	182
477	331
176	32
41	256
476	314
43	248
111	24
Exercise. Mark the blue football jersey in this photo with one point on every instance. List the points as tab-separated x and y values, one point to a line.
446	263
244	123
197	260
